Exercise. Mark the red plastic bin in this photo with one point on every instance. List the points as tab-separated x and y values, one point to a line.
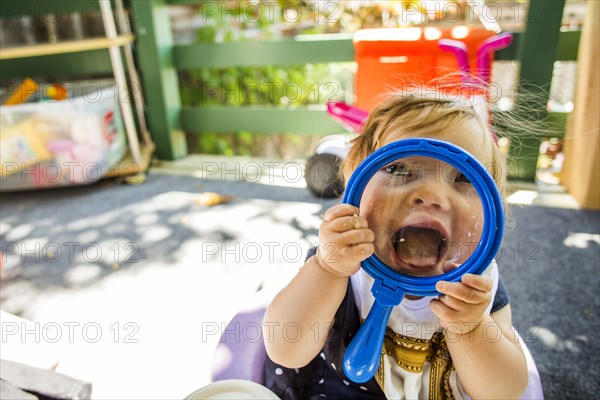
393	59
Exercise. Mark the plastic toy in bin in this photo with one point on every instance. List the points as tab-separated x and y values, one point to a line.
29	91
22	143
56	143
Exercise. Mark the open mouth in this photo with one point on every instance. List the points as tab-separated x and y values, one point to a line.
420	247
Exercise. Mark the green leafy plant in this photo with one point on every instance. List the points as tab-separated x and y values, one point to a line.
282	86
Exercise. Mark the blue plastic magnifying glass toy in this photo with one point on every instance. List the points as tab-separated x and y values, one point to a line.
363	354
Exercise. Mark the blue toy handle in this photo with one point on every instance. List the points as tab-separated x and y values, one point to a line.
364	352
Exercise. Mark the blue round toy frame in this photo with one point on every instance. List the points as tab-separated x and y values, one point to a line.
362	356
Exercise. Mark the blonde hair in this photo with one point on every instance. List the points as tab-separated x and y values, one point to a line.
403	115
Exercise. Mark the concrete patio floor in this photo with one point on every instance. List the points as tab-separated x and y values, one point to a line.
129	286
135	304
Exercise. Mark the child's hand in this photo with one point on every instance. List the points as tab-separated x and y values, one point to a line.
461	307
344	240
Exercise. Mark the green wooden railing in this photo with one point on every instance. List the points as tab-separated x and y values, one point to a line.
159	59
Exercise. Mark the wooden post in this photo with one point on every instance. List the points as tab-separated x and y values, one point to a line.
537	53
581	173
154	45
121	82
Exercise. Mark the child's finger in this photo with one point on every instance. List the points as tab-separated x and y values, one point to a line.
356	236
361	251
479	282
451	302
340	210
462	292
443	312
347	223
347	240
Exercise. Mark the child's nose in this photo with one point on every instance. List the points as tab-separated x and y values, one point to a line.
430	196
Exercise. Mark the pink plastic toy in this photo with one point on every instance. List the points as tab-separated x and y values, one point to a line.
486	49
321	173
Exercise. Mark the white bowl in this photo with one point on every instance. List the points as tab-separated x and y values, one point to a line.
232	389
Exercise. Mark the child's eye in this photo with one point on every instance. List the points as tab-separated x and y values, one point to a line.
461	178
398	170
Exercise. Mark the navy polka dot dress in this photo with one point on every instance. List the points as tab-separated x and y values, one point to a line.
323	377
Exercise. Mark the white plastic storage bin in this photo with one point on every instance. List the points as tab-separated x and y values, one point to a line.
56	143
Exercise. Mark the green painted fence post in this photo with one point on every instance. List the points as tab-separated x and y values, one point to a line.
536	53
154	48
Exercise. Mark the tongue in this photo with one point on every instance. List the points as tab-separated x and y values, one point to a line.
419	246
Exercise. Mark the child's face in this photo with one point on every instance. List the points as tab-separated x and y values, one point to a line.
427	218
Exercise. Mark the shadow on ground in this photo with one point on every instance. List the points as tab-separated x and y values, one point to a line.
61	242
73	237
550	261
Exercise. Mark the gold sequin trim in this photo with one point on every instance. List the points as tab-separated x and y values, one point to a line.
411	354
